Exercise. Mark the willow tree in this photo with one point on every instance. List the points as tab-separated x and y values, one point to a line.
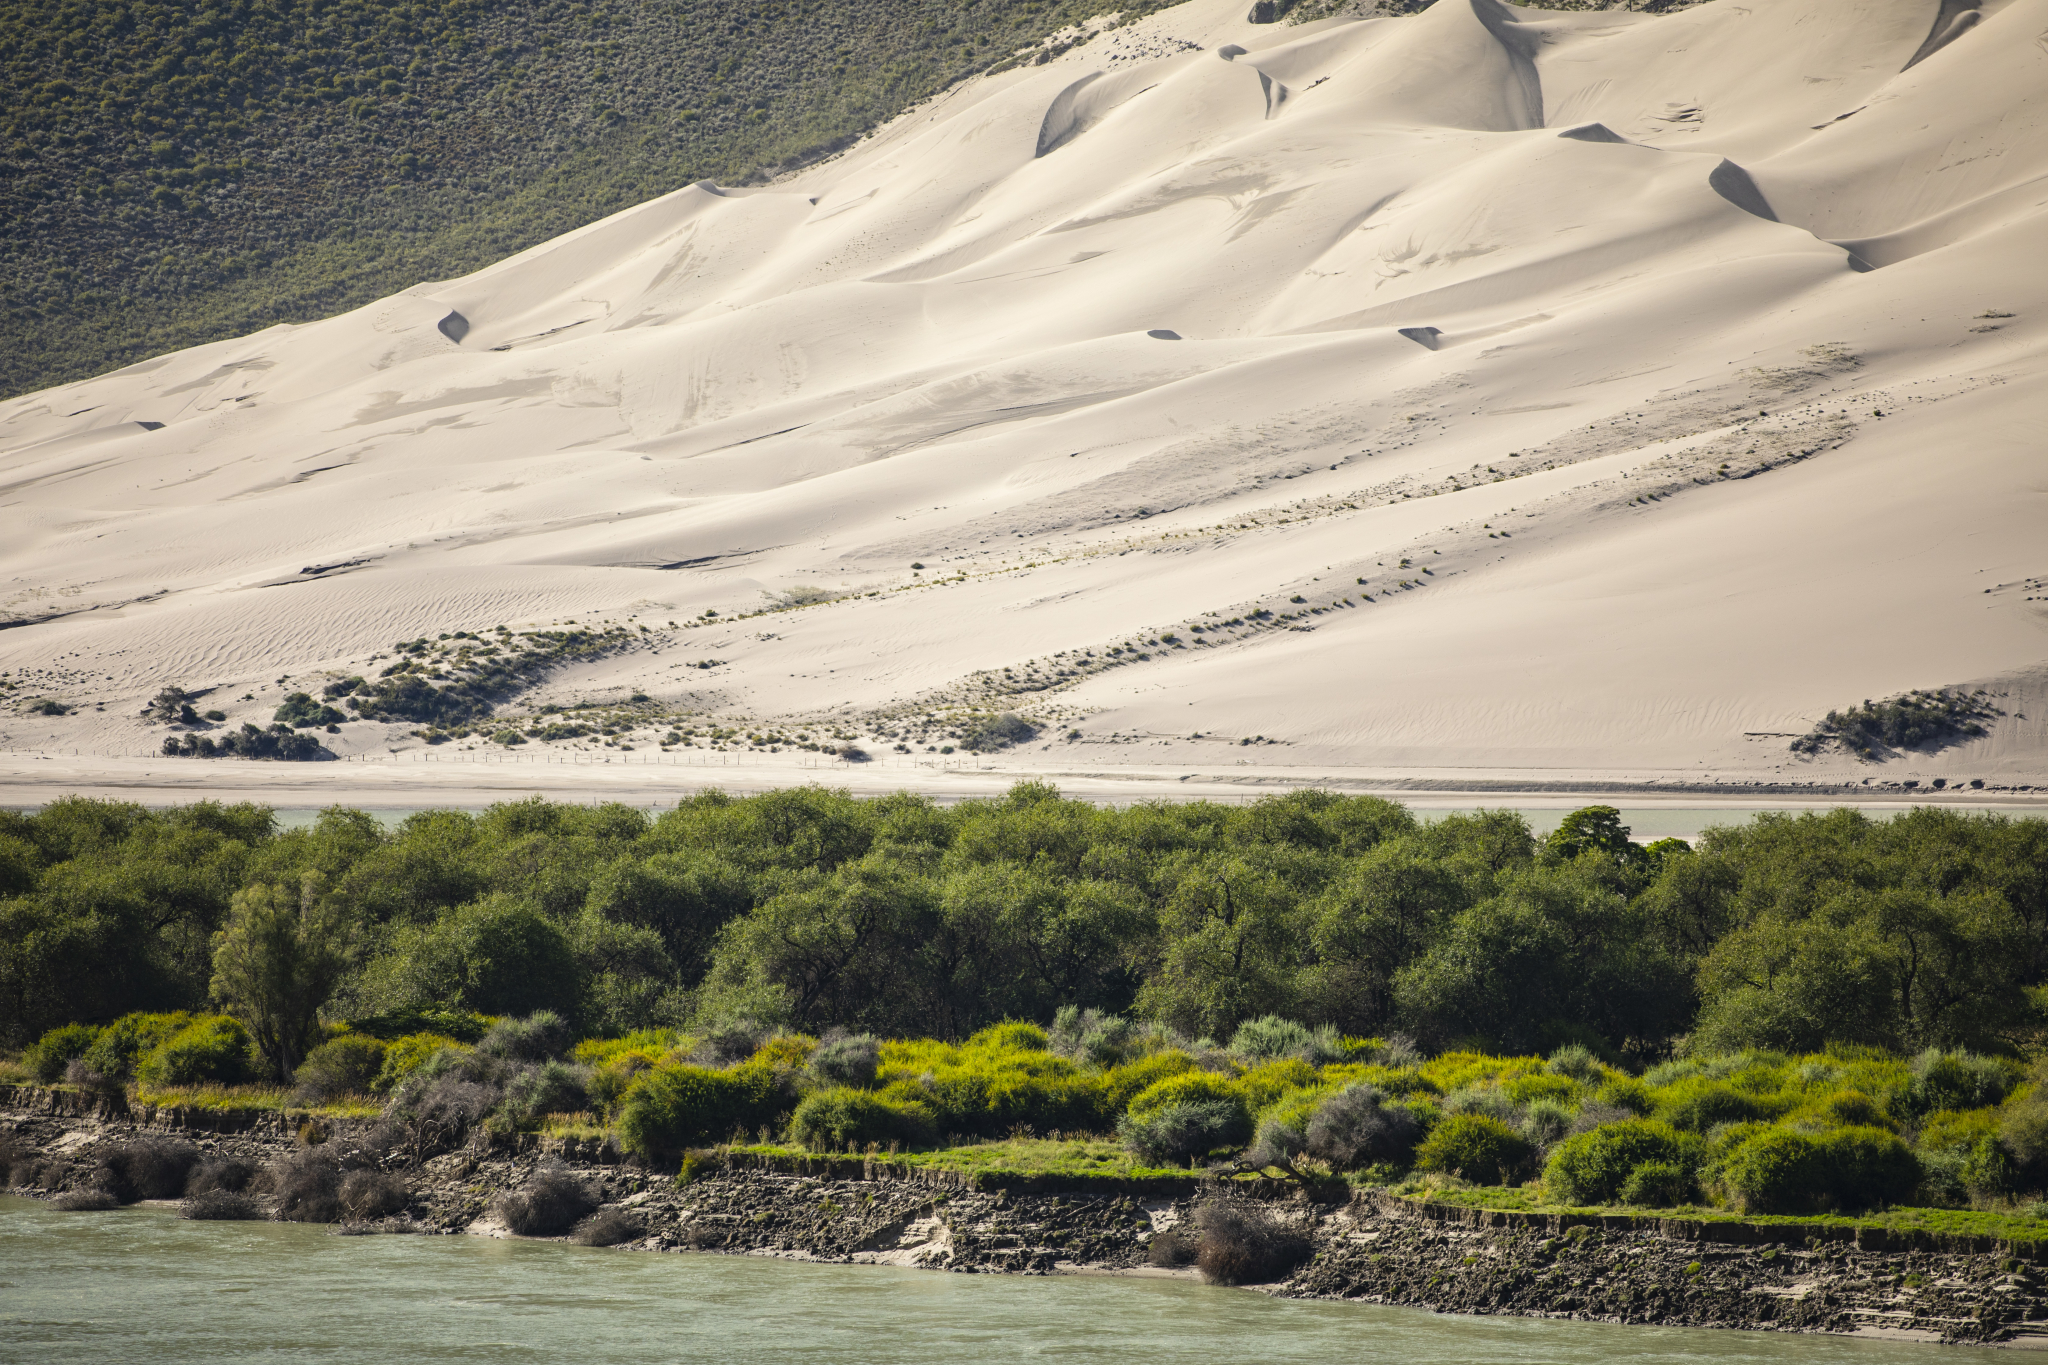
275	963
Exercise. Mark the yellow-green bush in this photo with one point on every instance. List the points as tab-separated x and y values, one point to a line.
1780	1170
121	1044
669	1108
1593	1167
847	1119
49	1055
1477	1148
1958	1130
403	1056
212	1047
651	1045
1539	1085
1268	1081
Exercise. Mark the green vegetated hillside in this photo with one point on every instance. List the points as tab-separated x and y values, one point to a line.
1799	1014
176	171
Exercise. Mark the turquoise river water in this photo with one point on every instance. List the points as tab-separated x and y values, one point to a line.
140	1285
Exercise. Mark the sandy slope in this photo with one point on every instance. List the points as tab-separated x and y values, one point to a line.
1698	359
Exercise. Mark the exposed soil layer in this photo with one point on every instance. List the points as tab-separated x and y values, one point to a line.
1366	1245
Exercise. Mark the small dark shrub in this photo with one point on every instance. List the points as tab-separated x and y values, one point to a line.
845	1119
550	1088
852	1060
348	1065
147	1168
541	1036
607	1228
1355	1128
372	1194
56	1049
85	1201
552	1203
1477	1148
229	1174
998	732
307	1187
219	1205
1174	1249
39	1173
732	1041
1243	1244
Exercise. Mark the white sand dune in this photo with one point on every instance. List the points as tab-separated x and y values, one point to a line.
1599	396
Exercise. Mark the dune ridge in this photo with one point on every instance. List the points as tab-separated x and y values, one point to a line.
1486	393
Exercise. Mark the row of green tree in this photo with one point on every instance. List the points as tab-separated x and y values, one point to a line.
807	909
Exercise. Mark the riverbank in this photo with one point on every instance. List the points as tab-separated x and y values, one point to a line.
1365	1245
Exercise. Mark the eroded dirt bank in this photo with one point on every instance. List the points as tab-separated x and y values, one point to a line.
1363	1245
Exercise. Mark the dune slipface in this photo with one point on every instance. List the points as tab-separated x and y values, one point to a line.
1484	391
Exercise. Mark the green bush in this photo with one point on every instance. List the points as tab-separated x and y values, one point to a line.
1626	1092
210	1048
1659	1185
348	1065
847	1119
1593	1167
122	1043
1477	1148
1187	1130
407	1054
1698	1104
1783	1171
669	1108
49	1055
1956	1080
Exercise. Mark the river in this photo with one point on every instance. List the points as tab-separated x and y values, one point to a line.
141	1285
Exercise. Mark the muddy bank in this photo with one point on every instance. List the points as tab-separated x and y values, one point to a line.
1363	1245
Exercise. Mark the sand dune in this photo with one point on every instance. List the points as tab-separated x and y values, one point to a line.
1582	395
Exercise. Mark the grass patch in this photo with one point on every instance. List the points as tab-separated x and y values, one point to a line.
1089	1157
271	1098
2005	1224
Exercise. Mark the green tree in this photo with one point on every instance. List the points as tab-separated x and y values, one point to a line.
276	962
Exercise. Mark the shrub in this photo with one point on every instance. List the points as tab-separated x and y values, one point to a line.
1626	1092
1475	1147
1956	1080
1659	1185
1575	1061
408	1054
1273	1036
307	1187
1182	1088
553	1087
729	1041
348	1065
552	1202
49	1055
372	1194
1117	1087
1091	1036
228	1175
1011	1036
1174	1249
668	1108
210	1048
1698	1104
1846	1108
219	1205
1593	1167
846	1119
1539	1085
850	1060
1242	1243
1783	1171
997	732
114	1052
538	1037
607	1228
1186	1130
147	1168
84	1201
1546	1122
1356	1127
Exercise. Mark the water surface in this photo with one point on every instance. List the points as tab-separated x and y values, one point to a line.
142	1285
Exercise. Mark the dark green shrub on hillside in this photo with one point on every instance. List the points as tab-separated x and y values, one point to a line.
998	732
348	1065
301	712
1782	1171
55	1049
1477	1148
1659	1185
670	1108
1593	1168
1957	1080
846	1119
211	1048
552	1087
